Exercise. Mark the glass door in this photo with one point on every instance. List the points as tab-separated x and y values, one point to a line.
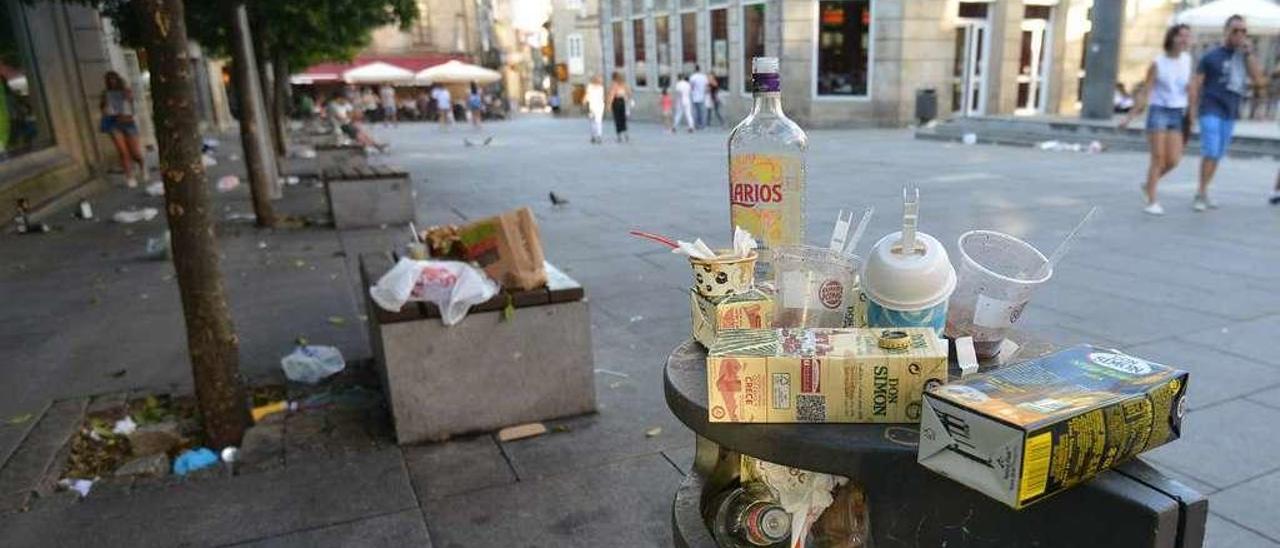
968	97
1033	64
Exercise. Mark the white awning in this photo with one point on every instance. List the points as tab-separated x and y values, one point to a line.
457	72
1262	16
378	72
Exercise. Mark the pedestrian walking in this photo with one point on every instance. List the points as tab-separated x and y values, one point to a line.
713	92
684	107
665	103
369	105
475	105
698	96
1221	80
388	96
1166	95
118	122
444	105
595	108
619	95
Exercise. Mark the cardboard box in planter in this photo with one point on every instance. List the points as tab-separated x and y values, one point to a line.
506	246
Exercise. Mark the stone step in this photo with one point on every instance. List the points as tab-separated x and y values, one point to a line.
33	467
1031	132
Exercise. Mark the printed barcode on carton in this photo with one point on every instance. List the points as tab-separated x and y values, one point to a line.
811	408
1035	465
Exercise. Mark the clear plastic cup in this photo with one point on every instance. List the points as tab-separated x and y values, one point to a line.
815	286
997	275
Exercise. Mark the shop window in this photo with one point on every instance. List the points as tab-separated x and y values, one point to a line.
24	122
619	50
752	40
720	46
662	39
688	42
642	68
844	43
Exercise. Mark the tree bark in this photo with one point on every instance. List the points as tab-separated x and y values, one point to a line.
261	174
211	338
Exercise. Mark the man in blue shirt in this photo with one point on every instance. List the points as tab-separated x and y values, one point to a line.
1222	77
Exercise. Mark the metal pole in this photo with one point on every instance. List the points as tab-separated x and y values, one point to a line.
1103	61
251	104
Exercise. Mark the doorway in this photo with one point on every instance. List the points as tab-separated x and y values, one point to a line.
1035	56
969	68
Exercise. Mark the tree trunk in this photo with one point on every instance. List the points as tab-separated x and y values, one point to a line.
211	338
261	173
282	101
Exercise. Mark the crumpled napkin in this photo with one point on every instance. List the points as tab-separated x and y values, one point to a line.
743	243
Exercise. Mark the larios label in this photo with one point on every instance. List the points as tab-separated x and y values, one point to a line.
764	197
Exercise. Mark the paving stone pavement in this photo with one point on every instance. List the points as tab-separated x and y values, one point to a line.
1194	290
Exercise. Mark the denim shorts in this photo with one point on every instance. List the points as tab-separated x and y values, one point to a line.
112	124
1215	135
1165	118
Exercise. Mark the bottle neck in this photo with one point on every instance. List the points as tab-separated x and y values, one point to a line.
767	103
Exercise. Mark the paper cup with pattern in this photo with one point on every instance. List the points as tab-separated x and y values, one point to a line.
908	288
997	276
721	277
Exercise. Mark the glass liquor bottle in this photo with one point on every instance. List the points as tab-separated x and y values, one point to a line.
767	168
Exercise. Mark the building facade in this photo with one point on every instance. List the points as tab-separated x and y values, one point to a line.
578	55
862	62
52	60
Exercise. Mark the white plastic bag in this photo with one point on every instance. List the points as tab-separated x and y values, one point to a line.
309	364
453	286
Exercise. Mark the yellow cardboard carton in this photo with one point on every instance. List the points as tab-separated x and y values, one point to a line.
827	375
750	310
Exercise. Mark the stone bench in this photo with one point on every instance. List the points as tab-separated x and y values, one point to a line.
486	372
368	196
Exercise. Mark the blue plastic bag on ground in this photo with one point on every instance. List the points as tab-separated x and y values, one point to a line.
194	459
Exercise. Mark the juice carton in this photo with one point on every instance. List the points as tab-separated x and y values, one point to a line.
1024	432
752	309
830	375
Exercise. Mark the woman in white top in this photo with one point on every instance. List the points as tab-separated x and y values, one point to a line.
1168	97
118	122
595	108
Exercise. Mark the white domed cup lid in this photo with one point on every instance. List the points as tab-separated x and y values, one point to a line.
908	281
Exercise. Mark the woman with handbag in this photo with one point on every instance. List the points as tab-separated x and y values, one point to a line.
1167	95
118	122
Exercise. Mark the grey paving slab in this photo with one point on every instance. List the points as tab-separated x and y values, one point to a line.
1215	375
33	458
403	528
1221	533
625	503
444	469
1254	339
1125	320
1270	398
227	511
1224	444
1253	504
681	457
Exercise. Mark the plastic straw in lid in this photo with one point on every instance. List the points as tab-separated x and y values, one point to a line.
910	218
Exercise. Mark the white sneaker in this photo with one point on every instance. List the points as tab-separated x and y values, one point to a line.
1153	208
1200	203
131	182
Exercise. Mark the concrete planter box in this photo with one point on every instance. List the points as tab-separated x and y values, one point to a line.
486	372
333	156
369	196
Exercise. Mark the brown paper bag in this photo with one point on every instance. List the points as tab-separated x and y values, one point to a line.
506	246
